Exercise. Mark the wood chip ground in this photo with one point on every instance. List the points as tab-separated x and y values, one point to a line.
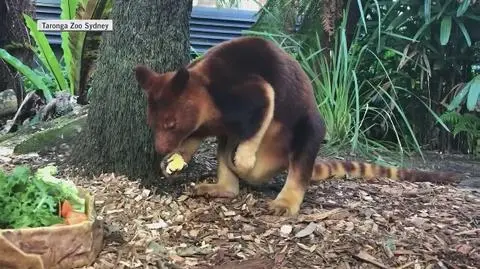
342	224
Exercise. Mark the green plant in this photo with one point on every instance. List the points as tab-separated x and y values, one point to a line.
468	124
68	8
46	77
44	52
351	106
32	199
35	78
440	52
467	97
355	93
469	94
79	49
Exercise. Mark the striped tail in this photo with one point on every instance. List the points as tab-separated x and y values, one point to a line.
324	170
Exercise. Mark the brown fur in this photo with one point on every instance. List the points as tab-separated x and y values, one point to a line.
260	105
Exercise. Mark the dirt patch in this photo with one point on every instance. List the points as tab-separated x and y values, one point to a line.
467	165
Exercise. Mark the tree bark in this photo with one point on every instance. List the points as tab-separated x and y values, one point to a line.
117	138
14	38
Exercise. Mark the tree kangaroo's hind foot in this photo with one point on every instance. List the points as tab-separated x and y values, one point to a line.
305	144
288	201
227	185
284	207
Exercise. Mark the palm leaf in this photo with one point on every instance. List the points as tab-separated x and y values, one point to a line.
463	7
27	72
474	93
445	30
68	13
458	99
464	30
84	45
45	53
69	8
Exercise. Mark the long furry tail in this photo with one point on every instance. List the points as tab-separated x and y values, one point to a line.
324	170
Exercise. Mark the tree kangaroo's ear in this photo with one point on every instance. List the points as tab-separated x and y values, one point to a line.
144	76
179	81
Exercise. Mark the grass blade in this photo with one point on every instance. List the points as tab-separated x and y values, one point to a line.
427	10
379	26
473	17
68	8
362	15
398	36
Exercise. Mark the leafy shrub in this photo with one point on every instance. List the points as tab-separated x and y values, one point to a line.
352	100
468	124
425	48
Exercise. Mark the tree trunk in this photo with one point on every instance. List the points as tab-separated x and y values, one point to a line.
117	138
14	38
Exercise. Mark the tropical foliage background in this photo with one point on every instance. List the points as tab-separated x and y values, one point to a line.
389	75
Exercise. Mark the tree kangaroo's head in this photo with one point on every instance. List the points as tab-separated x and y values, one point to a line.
178	104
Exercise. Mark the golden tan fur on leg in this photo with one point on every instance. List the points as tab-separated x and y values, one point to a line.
227	185
291	196
272	156
245	156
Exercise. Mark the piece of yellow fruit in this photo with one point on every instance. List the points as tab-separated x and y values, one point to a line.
175	163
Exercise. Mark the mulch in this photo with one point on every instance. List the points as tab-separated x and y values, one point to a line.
343	223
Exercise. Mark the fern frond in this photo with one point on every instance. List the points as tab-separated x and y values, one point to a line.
468	123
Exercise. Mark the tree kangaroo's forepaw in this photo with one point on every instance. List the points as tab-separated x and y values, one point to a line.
282	207
245	158
214	191
172	164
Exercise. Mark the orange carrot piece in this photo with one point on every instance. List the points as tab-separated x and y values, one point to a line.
66	209
75	217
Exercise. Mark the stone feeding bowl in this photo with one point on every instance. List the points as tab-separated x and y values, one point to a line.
54	247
